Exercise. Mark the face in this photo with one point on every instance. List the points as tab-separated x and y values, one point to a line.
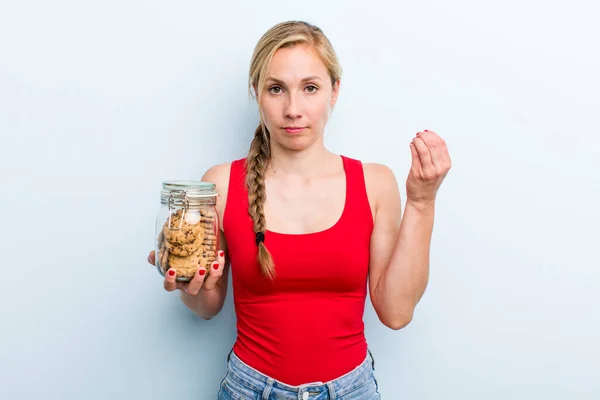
297	98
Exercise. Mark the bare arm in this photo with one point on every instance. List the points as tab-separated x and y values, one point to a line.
400	244
399	268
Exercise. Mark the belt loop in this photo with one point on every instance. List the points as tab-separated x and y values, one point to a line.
229	355
372	359
267	392
332	394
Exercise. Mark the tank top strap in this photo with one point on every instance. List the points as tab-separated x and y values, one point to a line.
357	206
357	200
236	206
237	188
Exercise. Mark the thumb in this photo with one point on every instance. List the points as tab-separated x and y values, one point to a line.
152	257
416	161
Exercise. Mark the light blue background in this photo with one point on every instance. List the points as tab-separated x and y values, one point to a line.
101	101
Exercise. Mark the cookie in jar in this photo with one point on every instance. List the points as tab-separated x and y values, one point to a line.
187	228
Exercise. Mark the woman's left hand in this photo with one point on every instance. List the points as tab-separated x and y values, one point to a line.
430	164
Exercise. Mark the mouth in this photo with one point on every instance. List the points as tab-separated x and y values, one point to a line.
293	129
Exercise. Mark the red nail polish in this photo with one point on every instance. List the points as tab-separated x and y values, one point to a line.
216	265
171	272
201	272
221	254
425	130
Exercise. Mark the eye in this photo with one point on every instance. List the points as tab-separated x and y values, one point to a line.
311	88
275	89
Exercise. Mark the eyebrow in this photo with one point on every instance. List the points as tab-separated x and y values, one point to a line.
310	78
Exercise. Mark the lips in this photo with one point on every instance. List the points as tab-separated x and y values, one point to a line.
294	129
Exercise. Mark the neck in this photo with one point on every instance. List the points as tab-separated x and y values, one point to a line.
306	162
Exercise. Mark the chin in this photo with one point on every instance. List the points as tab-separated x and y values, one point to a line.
298	143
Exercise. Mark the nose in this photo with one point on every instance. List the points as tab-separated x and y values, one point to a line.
292	107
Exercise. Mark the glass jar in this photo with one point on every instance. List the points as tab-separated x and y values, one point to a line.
187	228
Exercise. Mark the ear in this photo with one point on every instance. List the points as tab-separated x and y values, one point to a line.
334	93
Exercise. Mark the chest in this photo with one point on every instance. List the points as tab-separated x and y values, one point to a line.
318	233
335	262
297	206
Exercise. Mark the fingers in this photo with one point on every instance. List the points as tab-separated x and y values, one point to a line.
197	281
427	166
416	161
203	279
152	258
216	271
170	282
437	151
433	143
441	157
445	155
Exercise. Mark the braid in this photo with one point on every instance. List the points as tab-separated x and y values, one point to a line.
284	35
256	167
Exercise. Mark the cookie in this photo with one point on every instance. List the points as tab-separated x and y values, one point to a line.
184	250
188	241
187	266
204	262
189	230
163	257
208	257
209	252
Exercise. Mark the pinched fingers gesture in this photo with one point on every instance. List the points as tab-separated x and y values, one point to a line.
430	165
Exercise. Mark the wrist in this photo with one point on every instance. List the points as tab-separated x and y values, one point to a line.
423	206
197	304
192	297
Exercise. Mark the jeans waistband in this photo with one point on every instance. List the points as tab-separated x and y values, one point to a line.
336	387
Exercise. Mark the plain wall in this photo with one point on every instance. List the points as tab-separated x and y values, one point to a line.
101	101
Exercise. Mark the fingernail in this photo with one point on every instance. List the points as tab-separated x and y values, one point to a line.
221	254
202	272
171	272
425	130
418	133
216	265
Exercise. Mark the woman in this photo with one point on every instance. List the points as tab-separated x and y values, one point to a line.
306	232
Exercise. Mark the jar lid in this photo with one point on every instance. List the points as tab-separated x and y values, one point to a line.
187	193
190	188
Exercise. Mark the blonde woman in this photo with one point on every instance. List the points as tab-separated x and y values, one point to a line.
307	232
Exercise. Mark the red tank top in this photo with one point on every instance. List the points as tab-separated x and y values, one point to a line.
307	324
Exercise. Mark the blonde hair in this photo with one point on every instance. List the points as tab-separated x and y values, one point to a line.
283	35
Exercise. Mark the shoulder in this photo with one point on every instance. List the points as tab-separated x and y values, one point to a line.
218	174
374	172
378	173
381	183
377	176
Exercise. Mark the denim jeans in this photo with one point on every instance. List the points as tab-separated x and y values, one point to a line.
241	382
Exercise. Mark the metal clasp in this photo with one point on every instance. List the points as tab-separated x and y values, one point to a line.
173	203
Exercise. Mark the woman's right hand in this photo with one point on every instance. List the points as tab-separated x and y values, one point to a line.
199	282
